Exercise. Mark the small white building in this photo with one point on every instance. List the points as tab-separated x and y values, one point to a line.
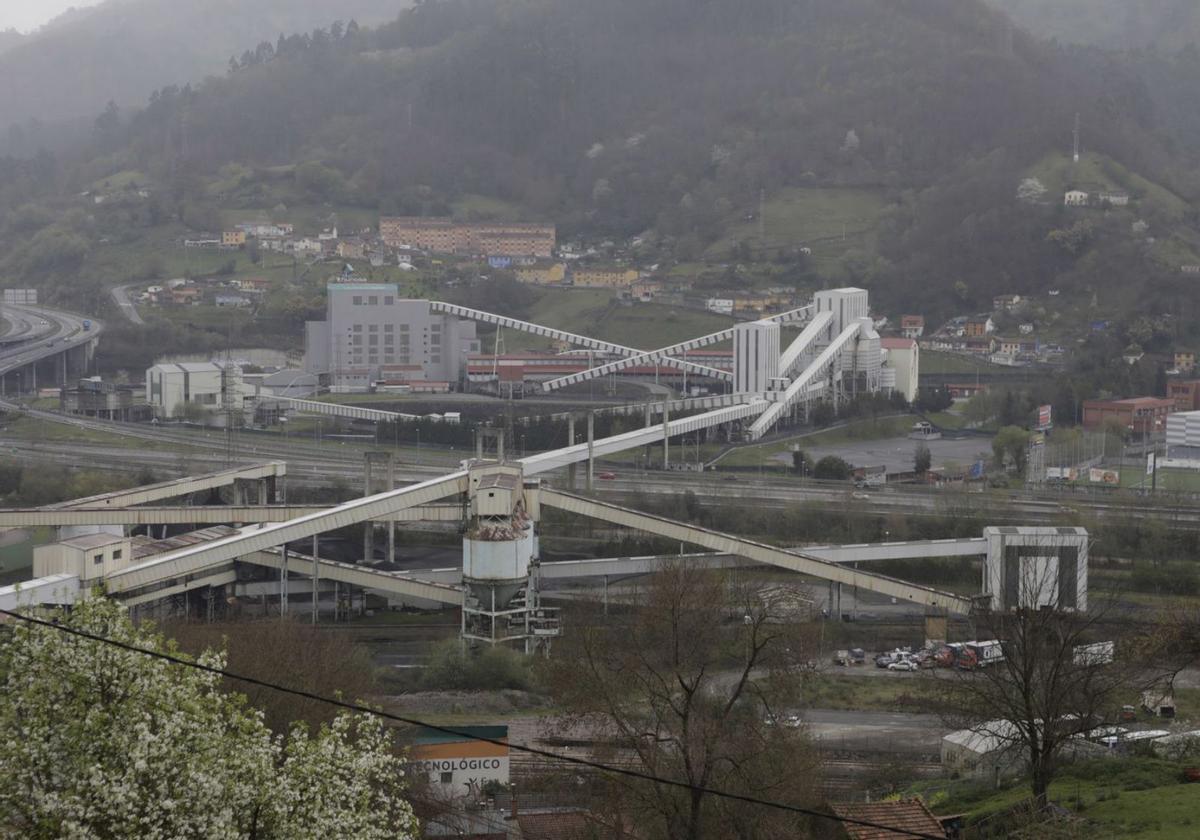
1114	197
1076	198
721	306
989	748
88	557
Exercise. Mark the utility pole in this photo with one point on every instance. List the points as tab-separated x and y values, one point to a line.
1076	153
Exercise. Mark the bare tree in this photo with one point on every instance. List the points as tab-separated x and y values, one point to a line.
692	683
291	653
1064	673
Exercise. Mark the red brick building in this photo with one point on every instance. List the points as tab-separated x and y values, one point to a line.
1185	393
1139	415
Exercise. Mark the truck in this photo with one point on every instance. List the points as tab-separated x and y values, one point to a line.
979	655
87	326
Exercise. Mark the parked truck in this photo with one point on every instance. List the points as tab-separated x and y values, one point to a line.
87	326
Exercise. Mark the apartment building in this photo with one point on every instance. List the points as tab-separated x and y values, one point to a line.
441	235
371	333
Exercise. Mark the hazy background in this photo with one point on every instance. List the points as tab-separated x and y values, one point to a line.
24	16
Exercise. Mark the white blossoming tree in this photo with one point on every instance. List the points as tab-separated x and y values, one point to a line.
99	742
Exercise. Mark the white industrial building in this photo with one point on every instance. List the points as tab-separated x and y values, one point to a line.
372	334
901	366
1183	440
1031	567
216	386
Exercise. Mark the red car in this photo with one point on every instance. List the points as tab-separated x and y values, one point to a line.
607	476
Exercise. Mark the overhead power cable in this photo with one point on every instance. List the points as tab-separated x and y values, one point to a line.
568	759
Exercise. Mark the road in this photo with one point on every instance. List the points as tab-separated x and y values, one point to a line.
120	295
63	331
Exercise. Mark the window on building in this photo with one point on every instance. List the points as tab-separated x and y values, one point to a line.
437	328
436	340
389	327
389	339
116	554
373	328
358	339
373	340
447	778
435	359
358	300
404	328
97	559
357	327
373	300
388	300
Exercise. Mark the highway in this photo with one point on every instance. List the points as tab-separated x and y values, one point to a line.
62	331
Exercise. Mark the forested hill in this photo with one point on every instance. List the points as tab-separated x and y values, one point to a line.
610	113
622	116
1118	24
123	49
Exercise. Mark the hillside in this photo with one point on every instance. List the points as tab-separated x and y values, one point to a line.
123	49
887	137
1118	24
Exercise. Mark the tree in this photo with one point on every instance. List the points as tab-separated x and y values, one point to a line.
832	468
801	462
106	742
1055	682
688	696
1010	446
922	459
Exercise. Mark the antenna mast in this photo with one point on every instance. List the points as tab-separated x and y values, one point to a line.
1076	155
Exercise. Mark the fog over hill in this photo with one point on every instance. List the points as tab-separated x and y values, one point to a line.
121	50
1121	24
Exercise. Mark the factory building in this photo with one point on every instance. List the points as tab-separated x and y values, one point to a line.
171	388
371	334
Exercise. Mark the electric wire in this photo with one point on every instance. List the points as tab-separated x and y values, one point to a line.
355	707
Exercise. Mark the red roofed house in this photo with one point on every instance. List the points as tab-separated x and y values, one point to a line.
909	818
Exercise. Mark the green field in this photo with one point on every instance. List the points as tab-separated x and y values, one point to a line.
1125	798
1096	172
596	313
829	221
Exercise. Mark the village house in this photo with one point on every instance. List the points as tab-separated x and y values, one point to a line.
1114	198
978	326
602	278
233	239
542	275
912	326
1075	198
185	295
1185	361
1006	303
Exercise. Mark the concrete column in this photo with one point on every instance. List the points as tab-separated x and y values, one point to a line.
666	435
283	580
316	579
368	526
649	416
571	442
391	485
591	441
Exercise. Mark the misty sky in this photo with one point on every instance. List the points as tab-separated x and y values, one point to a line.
30	14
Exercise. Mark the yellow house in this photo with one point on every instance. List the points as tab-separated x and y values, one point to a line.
604	278
542	275
1185	360
233	238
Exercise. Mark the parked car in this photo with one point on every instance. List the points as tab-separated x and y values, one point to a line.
903	665
607	476
883	660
